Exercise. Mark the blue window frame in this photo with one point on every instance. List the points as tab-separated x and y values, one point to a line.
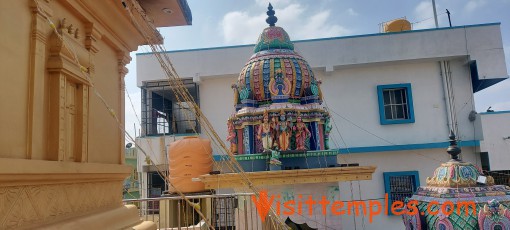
395	104
400	185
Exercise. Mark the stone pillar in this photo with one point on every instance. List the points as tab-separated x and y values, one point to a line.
123	59
36	104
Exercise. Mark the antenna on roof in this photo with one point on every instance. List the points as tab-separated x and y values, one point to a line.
449	19
435	13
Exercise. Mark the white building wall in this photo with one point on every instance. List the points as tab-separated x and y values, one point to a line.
482	43
217	103
351	96
496	131
424	161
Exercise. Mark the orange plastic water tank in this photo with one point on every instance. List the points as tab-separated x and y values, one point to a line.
397	25
189	158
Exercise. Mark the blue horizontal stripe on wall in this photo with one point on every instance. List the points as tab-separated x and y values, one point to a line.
369	149
386	148
495	112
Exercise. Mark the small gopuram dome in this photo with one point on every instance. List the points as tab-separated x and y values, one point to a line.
277	86
458	196
275	72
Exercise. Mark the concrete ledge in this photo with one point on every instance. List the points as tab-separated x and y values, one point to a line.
13	166
282	177
21	172
125	217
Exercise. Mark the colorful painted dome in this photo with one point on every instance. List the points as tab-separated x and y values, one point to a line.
277	99
453	199
455	174
275	72
273	37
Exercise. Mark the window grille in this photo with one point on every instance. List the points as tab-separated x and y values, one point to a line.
164	113
395	104
224	212
501	177
400	185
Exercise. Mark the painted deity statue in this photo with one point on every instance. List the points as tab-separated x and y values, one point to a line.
264	132
274	132
284	133
302	133
236	93
232	136
279	85
327	130
275	158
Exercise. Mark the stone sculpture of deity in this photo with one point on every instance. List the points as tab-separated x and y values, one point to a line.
232	136
302	133
264	132
284	133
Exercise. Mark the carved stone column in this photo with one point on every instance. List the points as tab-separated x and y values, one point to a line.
36	104
123	59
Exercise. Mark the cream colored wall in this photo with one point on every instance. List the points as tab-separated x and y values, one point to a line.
104	134
14	43
24	119
42	182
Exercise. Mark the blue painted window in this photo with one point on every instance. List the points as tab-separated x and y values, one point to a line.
395	104
400	185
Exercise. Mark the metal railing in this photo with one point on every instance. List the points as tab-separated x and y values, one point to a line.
222	211
501	177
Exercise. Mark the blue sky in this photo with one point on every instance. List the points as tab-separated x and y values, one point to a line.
237	22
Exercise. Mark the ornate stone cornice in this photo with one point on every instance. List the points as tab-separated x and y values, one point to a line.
123	59
92	35
40	14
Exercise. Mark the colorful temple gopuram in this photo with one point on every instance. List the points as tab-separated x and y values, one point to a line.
458	196
278	100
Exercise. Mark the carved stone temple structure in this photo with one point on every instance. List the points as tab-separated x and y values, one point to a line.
61	149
